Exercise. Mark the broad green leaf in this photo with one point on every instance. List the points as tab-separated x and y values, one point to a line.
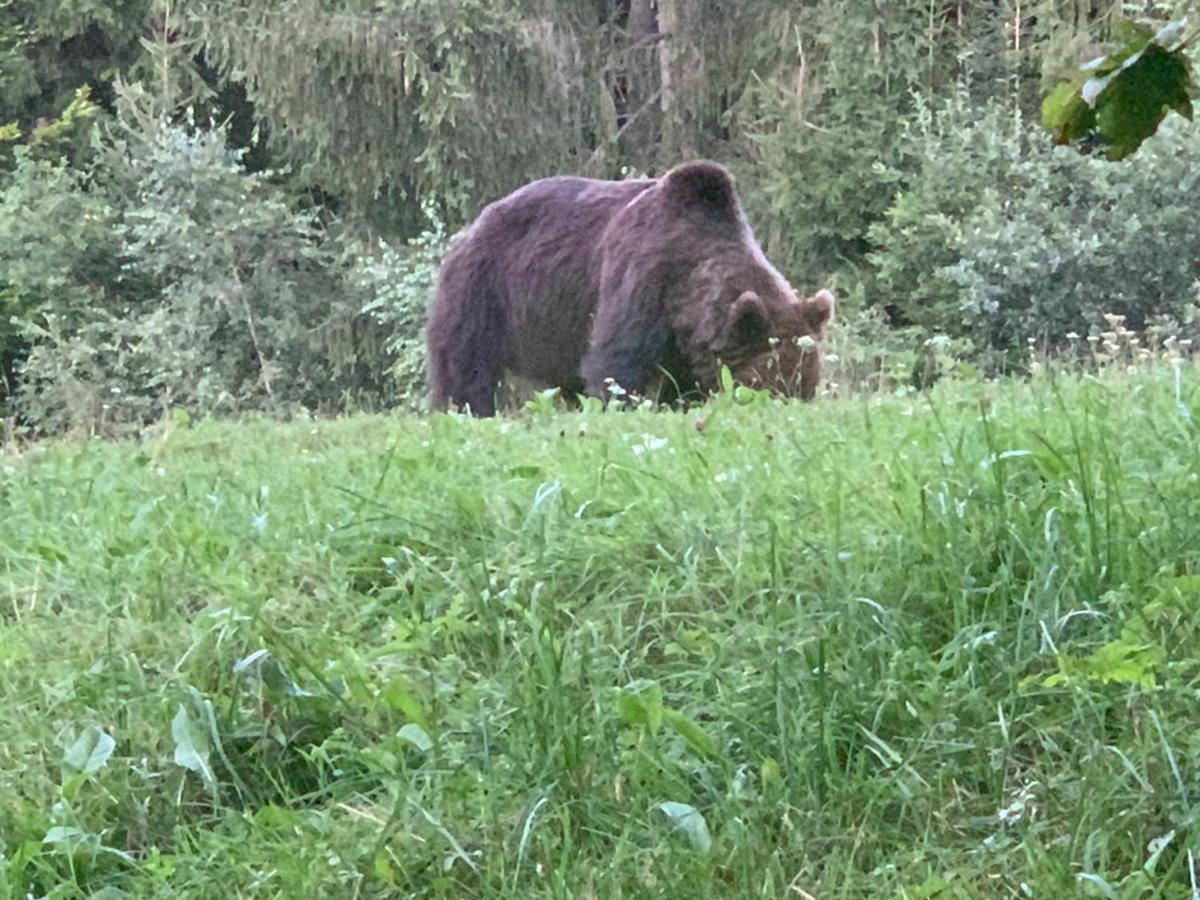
691	732
1066	114
192	747
689	820
641	704
417	736
384	869
90	751
397	695
1138	96
1124	96
631	709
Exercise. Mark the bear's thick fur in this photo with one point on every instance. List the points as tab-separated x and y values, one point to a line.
578	283
793	366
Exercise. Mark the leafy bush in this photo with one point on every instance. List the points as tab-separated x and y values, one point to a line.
57	249
226	298
999	236
398	286
959	157
1079	238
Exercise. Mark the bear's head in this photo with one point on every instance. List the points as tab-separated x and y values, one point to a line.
725	301
793	365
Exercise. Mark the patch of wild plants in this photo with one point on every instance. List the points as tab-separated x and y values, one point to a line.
166	276
911	643
996	235
398	284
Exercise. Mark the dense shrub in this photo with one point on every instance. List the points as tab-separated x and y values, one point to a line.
959	157
398	284
58	250
998	236
219	295
1079	237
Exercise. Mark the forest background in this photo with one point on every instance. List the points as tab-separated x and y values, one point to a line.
239	205
917	639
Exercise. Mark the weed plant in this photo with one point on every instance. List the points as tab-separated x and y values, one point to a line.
936	644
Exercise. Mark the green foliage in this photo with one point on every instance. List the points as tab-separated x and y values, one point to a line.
49	48
441	114
392	106
69	136
18	80
1000	237
820	138
217	296
864	354
961	158
1124	96
73	122
836	111
58	249
816	647
1072	238
398	285
1117	661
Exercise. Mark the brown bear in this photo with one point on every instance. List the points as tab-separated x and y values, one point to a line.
584	284
793	366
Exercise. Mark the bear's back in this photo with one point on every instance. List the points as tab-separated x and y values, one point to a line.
540	247
566	206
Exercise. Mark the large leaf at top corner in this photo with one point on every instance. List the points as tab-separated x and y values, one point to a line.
1065	113
1137	97
1124	96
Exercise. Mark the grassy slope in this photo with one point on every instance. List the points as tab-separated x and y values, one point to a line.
833	630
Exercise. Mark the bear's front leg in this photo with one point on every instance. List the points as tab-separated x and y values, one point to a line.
626	349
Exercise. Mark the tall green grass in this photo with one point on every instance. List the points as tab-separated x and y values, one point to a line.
937	645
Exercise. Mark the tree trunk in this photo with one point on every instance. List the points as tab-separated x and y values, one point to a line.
681	76
641	76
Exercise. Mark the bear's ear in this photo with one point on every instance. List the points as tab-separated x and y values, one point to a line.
749	325
705	186
818	311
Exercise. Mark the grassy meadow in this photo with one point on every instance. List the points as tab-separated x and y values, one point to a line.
931	645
